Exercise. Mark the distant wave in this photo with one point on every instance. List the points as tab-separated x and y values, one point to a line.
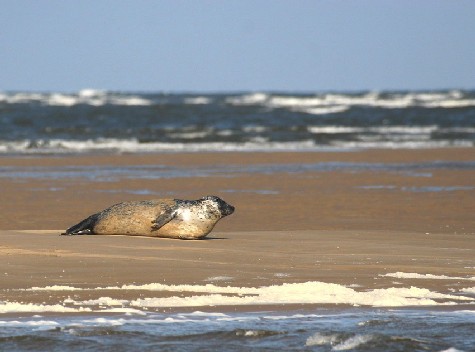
333	103
338	102
85	96
95	97
104	121
134	146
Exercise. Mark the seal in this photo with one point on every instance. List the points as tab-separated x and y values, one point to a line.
171	218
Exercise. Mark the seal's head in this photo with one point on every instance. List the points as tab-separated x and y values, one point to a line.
217	205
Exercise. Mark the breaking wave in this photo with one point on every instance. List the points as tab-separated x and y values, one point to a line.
104	121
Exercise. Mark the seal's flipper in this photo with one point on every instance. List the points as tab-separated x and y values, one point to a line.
163	219
84	227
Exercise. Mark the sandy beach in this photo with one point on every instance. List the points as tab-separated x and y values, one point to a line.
351	222
240	259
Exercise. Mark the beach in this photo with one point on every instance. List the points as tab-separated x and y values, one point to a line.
335	250
366	260
348	218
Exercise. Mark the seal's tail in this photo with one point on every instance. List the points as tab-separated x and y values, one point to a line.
83	228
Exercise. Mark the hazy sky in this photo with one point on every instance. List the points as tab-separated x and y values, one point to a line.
198	45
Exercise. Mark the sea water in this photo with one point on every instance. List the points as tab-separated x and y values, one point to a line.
93	120
321	317
302	330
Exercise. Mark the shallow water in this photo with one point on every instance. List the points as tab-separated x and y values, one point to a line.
358	329
111	173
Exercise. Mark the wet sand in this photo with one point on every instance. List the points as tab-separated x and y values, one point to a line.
270	199
345	226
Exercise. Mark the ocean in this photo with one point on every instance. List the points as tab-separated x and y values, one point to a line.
348	320
104	121
320	330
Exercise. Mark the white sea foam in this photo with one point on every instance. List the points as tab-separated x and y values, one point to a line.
18	98
448	104
257	144
323	110
28	323
334	129
16	307
53	288
219	278
352	342
252	128
190	135
248	99
312	104
134	146
427	144
131	101
319	339
296	101
208	288
304	293
297	293
373	99
198	101
86	96
337	341
102	301
37	324
89	93
224	133
402	275
470	290
457	130
341	102
404	129
407	130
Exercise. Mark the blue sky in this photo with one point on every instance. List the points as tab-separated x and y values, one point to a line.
256	45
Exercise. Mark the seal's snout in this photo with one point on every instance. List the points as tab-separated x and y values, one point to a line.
228	210
224	208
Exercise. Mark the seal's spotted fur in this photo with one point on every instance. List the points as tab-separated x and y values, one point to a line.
173	218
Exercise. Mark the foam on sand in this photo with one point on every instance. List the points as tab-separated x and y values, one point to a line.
53	288
305	293
16	307
469	290
312	292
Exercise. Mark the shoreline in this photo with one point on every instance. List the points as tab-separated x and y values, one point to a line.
85	268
